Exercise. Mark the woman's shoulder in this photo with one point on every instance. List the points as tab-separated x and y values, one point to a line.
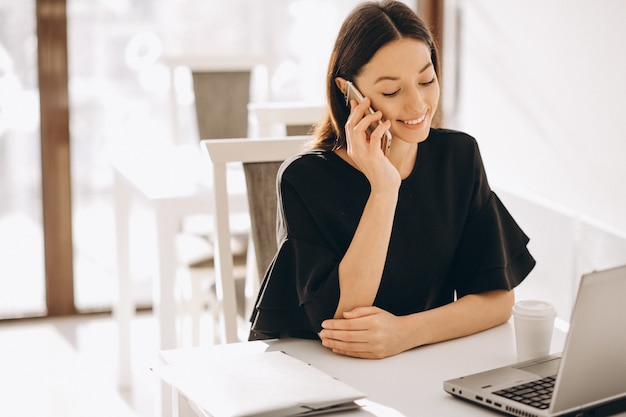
450	143
451	137
313	156
309	162
450	150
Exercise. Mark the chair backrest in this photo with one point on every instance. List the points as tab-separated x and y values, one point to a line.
279	118
262	204
292	119
221	103
261	190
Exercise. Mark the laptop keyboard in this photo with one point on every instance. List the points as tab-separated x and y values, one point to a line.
537	394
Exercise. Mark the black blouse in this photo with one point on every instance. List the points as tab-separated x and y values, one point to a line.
451	236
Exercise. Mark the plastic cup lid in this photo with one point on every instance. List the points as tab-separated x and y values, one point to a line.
534	309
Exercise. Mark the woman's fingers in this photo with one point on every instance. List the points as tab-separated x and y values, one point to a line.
359	139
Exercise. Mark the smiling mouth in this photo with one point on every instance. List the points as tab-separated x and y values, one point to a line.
415	121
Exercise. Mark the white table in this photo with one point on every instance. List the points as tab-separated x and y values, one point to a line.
174	181
412	382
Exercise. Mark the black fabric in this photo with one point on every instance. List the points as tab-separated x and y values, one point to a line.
451	235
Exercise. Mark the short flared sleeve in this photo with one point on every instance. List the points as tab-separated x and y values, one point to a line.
301	287
492	252
287	309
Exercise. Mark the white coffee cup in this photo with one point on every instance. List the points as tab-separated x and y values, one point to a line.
534	323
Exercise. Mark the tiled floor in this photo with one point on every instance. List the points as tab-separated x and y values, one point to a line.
67	367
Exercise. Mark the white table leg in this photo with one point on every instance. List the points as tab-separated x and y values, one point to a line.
163	291
123	305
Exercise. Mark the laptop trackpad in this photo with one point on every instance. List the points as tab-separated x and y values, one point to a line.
547	368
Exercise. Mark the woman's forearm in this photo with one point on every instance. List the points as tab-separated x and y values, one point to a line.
361	268
470	314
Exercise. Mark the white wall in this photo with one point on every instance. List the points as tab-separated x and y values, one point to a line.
565	245
542	86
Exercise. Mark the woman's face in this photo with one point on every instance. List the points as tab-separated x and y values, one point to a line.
401	82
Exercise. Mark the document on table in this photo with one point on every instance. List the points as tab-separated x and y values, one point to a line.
245	383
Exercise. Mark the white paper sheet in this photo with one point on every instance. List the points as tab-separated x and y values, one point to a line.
249	383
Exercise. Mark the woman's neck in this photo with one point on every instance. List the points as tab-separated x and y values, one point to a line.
403	157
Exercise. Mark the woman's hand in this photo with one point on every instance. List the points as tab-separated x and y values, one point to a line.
365	150
366	332
370	332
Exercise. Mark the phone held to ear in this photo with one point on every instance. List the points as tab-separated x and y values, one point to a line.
352	93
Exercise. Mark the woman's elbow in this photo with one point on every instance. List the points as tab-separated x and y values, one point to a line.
504	301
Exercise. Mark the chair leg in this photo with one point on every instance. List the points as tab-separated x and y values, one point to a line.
251	288
196	308
183	293
193	297
215	316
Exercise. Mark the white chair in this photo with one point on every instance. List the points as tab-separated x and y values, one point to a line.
278	118
275	119
271	119
226	118
222	152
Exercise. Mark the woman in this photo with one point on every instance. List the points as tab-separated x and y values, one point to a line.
380	253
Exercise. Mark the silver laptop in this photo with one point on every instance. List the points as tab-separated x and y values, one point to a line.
588	378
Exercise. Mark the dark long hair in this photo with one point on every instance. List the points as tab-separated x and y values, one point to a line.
369	27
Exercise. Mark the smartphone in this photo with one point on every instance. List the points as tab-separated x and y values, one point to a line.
352	93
